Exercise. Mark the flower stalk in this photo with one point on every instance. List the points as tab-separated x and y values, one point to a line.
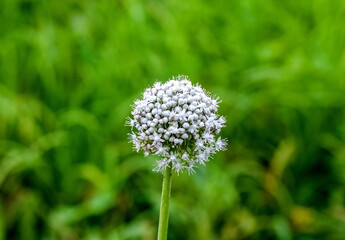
179	122
164	208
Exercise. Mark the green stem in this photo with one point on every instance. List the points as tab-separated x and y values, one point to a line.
164	211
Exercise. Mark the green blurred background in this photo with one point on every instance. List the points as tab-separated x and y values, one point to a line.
69	71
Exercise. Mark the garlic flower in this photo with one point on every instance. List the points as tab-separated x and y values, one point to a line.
177	121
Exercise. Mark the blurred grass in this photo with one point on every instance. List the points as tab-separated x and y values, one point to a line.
69	71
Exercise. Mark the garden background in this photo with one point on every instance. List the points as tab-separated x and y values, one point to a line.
70	70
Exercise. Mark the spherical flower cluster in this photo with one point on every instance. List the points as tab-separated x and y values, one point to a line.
179	122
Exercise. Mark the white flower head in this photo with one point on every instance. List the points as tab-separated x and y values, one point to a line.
179	122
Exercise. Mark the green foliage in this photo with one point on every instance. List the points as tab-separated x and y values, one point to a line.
69	71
